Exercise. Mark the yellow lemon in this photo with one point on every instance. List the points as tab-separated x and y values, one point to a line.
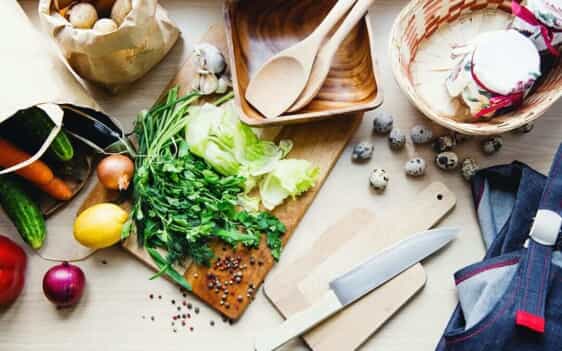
100	225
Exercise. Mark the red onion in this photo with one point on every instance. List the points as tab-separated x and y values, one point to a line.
64	284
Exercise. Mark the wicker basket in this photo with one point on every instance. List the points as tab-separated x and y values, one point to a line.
420	46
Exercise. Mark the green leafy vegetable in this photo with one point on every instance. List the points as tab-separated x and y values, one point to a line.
188	183
288	178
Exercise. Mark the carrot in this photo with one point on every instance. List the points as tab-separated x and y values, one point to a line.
57	189
37	172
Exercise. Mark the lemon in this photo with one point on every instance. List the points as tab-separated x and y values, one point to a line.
100	225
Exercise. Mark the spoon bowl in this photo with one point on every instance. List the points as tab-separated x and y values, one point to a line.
279	82
274	89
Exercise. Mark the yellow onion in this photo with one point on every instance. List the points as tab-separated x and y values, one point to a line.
115	172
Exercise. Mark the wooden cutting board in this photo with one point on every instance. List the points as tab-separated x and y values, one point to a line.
320	143
354	238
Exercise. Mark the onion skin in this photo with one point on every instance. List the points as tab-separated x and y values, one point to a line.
115	172
64	284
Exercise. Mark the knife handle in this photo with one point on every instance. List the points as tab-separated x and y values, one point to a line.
299	323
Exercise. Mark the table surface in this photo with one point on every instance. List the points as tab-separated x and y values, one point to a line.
116	310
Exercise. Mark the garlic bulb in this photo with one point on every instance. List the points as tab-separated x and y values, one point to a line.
208	58
120	10
105	25
83	15
206	83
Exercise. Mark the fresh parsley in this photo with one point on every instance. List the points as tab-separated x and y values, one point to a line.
180	204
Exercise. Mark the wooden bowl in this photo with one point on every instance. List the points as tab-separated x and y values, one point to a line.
257	29
421	41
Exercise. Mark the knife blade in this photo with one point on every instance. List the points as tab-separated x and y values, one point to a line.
356	283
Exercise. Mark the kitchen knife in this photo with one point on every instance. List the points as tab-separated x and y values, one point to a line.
351	286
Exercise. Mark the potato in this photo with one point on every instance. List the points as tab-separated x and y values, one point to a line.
120	10
83	15
105	25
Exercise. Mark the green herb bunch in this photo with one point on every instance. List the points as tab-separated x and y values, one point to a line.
181	204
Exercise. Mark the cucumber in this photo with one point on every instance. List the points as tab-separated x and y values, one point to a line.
38	125
23	211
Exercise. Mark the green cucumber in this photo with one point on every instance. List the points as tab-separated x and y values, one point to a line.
38	125
23	211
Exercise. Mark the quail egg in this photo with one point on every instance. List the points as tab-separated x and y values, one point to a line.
444	143
421	134
447	160
383	122
379	179
469	167
396	139
362	151
492	145
415	167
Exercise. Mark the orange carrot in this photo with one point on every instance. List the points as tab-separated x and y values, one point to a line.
57	189
37	172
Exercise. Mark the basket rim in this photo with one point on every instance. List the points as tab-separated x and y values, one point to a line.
480	128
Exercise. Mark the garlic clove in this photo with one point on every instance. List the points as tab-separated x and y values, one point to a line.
205	83
223	84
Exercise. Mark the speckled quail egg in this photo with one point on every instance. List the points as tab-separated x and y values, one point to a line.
447	160
492	145
421	134
469	167
383	122
415	167
396	139
527	128
362	151
379	179
444	143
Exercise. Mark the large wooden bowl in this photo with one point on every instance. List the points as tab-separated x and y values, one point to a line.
414	34
258	29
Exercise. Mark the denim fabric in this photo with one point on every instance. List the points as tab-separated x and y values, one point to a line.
513	281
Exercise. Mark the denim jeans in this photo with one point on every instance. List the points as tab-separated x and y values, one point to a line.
512	300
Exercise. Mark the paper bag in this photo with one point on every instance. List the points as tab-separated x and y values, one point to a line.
120	57
33	74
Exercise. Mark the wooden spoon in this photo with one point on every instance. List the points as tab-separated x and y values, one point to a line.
280	81
323	62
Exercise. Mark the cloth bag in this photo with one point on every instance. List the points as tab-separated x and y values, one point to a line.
513	298
118	58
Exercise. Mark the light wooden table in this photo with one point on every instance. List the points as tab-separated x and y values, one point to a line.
110	315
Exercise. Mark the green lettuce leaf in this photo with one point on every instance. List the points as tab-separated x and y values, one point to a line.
288	178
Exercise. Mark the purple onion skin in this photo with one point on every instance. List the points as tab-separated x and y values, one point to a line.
64	284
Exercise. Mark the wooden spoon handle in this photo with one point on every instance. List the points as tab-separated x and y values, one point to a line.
357	13
336	13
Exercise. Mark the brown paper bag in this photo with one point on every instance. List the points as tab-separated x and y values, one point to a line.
120	57
33	74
